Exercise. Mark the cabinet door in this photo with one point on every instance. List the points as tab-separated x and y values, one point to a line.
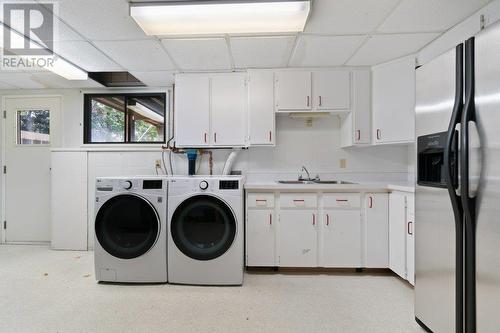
362	106
228	95
293	90
397	233
377	230
192	110
394	101
410	239
260	238
341	238
261	108
332	90
298	238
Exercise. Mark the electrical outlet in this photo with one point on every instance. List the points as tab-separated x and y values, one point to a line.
157	164
343	163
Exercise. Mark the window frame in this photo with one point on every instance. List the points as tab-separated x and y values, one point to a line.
87	118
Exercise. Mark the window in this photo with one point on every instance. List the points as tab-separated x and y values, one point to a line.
125	118
33	127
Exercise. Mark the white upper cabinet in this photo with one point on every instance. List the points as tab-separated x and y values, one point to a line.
228	109
210	110
394	101
294	91
356	125
332	90
262	128
192	110
326	90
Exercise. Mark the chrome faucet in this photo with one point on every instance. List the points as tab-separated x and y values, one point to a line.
308	175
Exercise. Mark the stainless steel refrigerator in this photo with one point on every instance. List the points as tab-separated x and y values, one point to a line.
457	200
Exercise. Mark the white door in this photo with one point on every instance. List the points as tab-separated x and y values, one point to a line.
341	238
261	108
377	230
410	239
397	233
228	111
260	232
293	90
31	129
332	90
192	110
362	106
298	238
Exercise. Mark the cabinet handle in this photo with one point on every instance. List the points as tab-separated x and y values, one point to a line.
378	134
215	137
308	100
370	202
205	137
358	135
320	101
314	219
327	219
342	200
270	136
270	219
410	229
298	200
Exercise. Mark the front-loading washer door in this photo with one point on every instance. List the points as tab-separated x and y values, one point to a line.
127	226
203	227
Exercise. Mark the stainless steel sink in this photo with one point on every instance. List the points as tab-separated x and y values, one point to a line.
292	182
295	182
340	182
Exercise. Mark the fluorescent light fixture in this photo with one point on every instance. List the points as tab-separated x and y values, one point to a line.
220	17
67	70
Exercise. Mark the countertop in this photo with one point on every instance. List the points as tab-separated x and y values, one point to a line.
361	187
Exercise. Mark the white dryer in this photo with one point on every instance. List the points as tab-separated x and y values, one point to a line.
131	229
205	224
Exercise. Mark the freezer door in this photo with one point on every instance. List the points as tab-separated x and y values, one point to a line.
488	200
435	224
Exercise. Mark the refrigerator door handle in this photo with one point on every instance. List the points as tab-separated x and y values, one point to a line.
451	177
468	203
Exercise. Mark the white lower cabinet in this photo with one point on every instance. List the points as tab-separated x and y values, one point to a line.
298	238
341	238
377	230
261	245
401	238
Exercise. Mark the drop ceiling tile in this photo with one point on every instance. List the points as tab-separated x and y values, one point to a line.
51	80
155	79
138	55
86	56
382	48
348	16
324	50
261	52
429	15
199	54
20	80
100	20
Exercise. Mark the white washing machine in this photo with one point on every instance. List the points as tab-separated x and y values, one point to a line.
205	230
131	229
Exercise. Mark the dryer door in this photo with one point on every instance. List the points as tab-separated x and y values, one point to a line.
127	226
203	227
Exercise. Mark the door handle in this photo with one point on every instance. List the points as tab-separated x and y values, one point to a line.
378	134
370	202
215	137
320	101
314	219
358	135
327	219
270	219
270	136
308	100
205	137
409	228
